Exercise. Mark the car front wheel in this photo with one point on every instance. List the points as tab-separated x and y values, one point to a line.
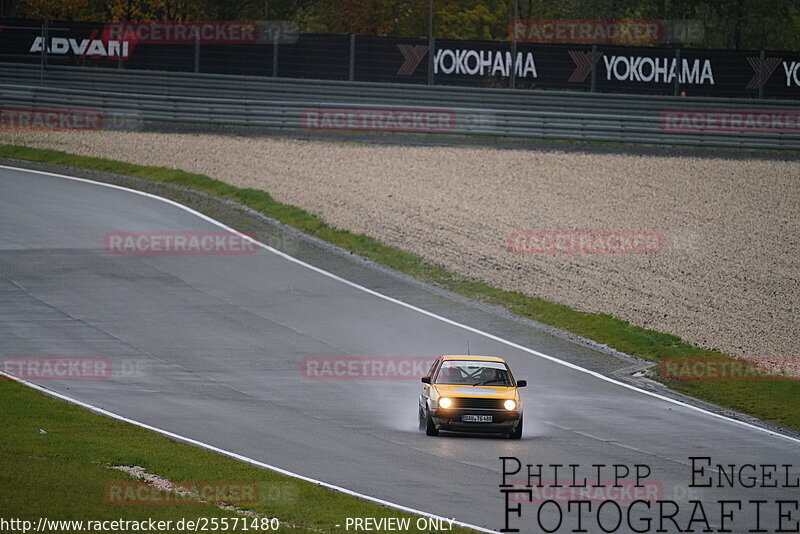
430	428
517	432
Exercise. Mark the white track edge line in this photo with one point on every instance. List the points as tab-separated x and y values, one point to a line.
412	307
242	458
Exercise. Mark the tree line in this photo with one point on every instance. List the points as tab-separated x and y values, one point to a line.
730	24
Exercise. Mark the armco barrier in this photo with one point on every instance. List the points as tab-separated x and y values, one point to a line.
135	99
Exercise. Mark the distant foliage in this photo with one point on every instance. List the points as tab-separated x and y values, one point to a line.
771	24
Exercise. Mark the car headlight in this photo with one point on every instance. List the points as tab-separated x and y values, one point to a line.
445	403
509	405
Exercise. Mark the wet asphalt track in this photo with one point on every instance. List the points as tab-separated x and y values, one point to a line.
221	339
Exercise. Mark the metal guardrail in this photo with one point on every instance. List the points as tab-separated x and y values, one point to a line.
136	99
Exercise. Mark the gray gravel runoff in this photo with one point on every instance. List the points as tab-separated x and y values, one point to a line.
727	278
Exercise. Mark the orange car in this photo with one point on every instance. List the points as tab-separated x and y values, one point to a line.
471	394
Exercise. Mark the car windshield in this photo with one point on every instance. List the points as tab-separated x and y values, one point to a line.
473	373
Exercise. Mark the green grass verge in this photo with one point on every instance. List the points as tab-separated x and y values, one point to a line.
63	474
774	401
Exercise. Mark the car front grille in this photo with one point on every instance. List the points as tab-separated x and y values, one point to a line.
481	404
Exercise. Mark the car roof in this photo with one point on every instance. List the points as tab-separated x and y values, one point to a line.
470	357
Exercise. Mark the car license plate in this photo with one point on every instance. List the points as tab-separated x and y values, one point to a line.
476	418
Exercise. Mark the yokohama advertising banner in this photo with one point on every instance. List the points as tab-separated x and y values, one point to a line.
269	48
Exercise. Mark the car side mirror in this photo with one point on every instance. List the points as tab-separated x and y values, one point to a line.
426	380
522	383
